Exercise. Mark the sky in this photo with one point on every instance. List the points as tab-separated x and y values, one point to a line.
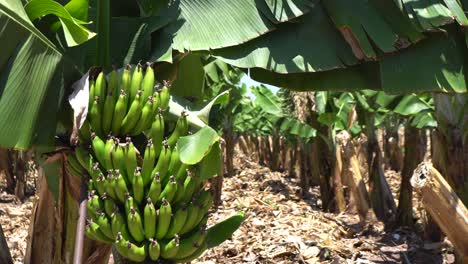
249	82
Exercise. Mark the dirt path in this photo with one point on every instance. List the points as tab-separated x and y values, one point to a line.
282	227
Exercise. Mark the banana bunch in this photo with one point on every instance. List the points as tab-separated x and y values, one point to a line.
141	197
125	104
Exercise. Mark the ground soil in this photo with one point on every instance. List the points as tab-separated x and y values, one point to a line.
283	226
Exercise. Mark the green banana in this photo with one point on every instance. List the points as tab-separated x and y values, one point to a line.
180	129
149	158
164	96
182	173
120	110
95	171
194	256
169	190
138	186
148	81
126	80
156	133
205	199
135	225
113	84
136	253
100	184
180	178
100	86
121	245
179	193
108	112
130	159
93	204
157	100
92	93
95	116
154	249
190	185
84	134
175	163
146	117
119	225
107	159
91	185
133	115
169	250
135	83
120	186
104	224
94	231
118	157
109	204
178	221
193	212
164	219
163	162
155	188
149	219
129	203
82	155
110	184
189	245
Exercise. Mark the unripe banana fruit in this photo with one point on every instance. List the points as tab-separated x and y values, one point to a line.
141	198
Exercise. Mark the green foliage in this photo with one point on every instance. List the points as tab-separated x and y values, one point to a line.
194	147
73	29
33	74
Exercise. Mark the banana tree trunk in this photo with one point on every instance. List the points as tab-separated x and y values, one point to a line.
53	223
393	153
217	182
450	149
302	168
7	170
275	152
414	154
340	202
444	206
381	196
20	172
243	145
352	176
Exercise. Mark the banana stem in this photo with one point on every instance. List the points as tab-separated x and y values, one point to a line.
103	33
80	226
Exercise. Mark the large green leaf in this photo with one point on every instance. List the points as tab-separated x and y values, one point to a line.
297	128
267	101
190	77
222	231
411	105
210	164
193	148
364	26
436	64
211	24
311	44
32	78
75	33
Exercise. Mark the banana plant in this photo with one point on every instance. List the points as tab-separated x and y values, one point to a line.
50	44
